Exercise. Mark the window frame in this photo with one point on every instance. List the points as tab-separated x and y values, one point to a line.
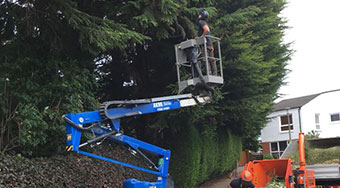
286	125
336	121
317	121
279	152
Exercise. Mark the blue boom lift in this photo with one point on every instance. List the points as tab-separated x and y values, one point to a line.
105	122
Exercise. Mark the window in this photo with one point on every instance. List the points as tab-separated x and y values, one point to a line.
317	121
274	150
274	146
285	120
283	145
277	148
335	117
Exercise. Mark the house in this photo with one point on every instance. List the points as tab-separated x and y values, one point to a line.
319	113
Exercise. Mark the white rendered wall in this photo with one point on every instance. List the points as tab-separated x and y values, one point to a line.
325	104
271	132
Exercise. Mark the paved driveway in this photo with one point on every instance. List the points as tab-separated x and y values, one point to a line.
223	181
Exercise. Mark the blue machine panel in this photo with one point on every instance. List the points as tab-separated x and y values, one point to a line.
133	183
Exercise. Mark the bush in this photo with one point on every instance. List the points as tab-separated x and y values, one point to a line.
230	148
186	156
198	155
38	90
268	156
323	155
33	132
314	155
312	134
209	155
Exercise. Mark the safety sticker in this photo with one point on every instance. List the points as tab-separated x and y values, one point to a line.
69	148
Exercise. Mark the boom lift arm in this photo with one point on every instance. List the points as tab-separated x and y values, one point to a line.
105	123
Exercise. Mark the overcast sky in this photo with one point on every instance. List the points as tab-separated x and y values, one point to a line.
315	31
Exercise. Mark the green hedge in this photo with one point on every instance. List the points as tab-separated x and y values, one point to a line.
196	156
186	157
209	157
230	147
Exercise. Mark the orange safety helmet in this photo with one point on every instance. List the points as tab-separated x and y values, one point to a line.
246	176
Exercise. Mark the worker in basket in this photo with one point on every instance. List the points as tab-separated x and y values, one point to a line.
203	30
244	181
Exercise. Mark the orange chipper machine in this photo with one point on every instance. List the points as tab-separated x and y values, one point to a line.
264	170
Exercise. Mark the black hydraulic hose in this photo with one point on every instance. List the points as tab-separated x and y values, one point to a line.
102	137
192	56
146	158
78	126
198	70
200	75
97	138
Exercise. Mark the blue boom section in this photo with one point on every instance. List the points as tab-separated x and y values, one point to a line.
76	123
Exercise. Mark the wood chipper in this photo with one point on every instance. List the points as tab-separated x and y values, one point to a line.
264	170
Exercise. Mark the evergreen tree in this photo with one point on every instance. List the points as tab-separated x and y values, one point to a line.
47	53
255	60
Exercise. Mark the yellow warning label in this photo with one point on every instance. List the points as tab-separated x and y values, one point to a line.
69	148
69	136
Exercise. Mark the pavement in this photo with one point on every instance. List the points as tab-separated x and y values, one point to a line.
222	181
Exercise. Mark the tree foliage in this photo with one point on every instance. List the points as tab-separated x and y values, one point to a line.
255	60
47	67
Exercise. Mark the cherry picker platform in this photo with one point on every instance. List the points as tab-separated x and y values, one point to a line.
195	62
